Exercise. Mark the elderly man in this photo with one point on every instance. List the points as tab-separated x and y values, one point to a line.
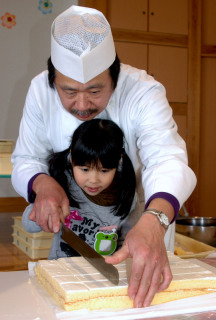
86	80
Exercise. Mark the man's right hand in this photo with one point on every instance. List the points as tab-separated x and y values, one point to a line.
51	204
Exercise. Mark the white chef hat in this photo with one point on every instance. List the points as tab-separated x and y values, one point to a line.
82	45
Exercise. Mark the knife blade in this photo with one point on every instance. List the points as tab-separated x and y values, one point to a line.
94	258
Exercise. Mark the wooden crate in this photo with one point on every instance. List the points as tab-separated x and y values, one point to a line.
188	248
35	245
35	240
33	253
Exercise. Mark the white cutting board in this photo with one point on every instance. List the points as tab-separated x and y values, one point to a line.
23	298
20	300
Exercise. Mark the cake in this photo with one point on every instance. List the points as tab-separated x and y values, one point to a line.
75	284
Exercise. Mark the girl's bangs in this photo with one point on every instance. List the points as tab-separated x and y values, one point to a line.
95	159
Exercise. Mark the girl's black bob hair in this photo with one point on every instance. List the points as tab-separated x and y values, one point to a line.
97	142
94	143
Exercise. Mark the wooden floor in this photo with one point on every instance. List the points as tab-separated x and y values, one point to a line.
11	257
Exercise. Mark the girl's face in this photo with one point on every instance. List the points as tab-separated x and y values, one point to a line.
93	180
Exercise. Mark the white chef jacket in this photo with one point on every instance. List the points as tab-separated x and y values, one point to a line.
138	105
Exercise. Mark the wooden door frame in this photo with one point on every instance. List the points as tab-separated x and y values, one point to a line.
194	96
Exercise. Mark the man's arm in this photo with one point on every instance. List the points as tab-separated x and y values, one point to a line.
148	124
145	244
32	146
51	204
40	134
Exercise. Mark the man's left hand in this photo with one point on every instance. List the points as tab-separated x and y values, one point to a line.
150	271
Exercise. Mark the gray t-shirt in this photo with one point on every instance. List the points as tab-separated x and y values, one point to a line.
87	222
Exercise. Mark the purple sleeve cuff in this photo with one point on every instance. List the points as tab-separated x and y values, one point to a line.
170	198
31	194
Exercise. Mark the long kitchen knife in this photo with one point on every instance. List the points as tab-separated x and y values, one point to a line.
108	270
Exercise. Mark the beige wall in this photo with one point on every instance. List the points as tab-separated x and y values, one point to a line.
24	52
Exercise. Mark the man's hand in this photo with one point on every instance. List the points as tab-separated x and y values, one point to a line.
51	204
150	271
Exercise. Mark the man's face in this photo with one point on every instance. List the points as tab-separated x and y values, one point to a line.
84	101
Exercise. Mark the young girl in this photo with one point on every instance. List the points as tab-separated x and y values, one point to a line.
99	180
